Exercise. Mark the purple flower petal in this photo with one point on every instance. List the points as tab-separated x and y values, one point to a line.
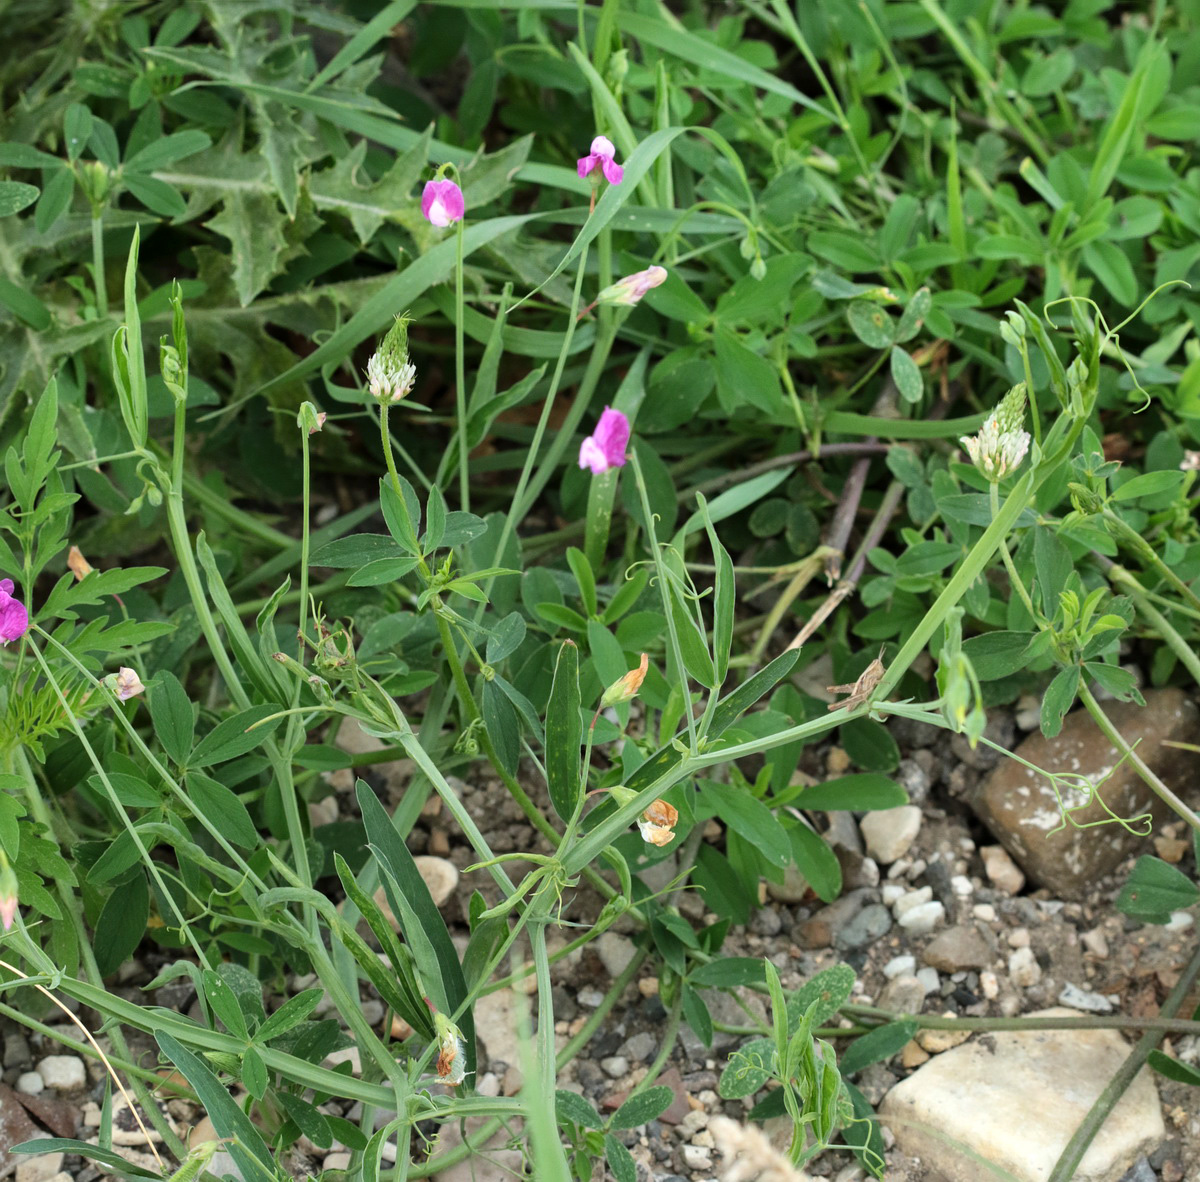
591	455
612	436
14	619
603	153
442	203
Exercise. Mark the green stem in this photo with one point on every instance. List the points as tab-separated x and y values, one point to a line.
1152	781
98	266
972	567
1176	643
1144	550
539	1085
1014	579
464	481
665	593
519	501
666	1045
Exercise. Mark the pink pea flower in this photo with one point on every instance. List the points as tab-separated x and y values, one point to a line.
629	291
8	893
125	683
442	203
603	153
606	448
14	619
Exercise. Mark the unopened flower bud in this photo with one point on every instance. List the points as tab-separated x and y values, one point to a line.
625	688
77	564
629	291
310	419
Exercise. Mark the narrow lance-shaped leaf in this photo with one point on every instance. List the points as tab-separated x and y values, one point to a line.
564	734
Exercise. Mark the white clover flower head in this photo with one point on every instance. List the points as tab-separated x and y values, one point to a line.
390	374
388	381
1001	444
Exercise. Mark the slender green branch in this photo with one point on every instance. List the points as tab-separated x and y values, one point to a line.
1152	781
460	380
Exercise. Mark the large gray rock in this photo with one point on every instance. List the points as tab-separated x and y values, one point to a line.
1016	1098
1019	806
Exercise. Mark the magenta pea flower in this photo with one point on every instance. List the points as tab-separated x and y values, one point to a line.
442	203
14	619
606	448
603	153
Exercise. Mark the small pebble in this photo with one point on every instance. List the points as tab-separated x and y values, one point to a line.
937	1041
889	834
615	1066
29	1083
1029	712
64	1072
640	1047
930	980
911	899
891	892
696	1157
921	920
1083	999
1023	968
590	998
1096	943
985	912
1003	873
39	1168
900	966
1180	921
865	928
962	886
914	779
440	875
1018	938
990	984
616	951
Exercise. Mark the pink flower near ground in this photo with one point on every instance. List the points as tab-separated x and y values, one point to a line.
442	203
14	619
603	153
606	448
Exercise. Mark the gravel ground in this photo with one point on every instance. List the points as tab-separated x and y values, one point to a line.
935	919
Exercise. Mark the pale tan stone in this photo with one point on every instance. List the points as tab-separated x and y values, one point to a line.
1016	1097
